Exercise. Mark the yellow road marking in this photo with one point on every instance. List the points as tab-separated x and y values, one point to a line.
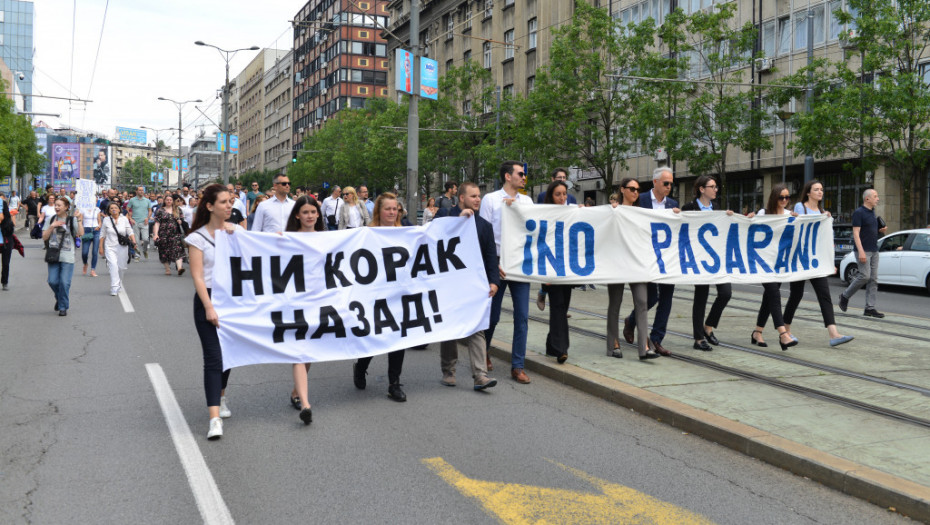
517	504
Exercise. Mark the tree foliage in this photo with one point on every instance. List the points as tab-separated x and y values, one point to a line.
17	140
136	172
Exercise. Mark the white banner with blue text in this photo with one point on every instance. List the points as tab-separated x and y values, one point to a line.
602	245
326	296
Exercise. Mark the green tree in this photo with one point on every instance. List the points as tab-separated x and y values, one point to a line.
17	141
136	172
878	105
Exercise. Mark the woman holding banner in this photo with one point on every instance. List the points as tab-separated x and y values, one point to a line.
210	217
811	203
385	214
771	298
305	217
629	196
705	191
560	295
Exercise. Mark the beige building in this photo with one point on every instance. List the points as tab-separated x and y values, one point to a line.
124	151
251	110
278	82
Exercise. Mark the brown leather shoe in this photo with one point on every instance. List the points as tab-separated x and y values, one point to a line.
490	365
628	330
520	376
660	349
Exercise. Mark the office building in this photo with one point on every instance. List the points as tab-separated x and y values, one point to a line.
17	18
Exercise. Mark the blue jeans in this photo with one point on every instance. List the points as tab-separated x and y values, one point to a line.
520	295
59	280
661	294
93	246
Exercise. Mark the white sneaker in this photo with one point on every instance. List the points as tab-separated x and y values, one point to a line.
216	428
224	409
114	292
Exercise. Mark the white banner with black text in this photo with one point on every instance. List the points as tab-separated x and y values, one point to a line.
602	245
326	296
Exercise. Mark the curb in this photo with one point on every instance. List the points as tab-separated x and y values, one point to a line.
879	488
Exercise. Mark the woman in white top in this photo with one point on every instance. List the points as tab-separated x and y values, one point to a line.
215	207
90	241
117	255
771	298
430	211
811	203
48	210
354	214
305	217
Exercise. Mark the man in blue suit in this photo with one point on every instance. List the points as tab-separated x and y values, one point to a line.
658	199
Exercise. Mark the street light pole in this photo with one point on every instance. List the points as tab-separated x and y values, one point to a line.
180	106
784	116
413	116
157	150
227	55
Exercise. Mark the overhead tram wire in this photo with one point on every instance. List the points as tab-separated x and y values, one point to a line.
96	56
71	81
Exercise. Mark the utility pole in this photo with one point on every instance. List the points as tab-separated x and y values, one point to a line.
413	117
225	130
809	159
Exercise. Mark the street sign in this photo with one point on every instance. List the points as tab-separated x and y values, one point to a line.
403	80
429	78
325	185
234	144
220	142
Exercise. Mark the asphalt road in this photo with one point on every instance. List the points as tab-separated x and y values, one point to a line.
84	440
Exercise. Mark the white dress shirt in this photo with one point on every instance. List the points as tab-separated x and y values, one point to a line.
491	211
330	206
271	215
656	205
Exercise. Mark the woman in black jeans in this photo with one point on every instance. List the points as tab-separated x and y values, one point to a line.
210	218
560	295
811	203
705	191
771	298
385	214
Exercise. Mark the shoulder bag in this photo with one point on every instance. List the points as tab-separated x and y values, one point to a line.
123	240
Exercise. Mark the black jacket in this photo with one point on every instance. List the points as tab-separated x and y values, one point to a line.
485	241
693	206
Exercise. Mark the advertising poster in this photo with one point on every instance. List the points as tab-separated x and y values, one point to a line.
234	144
130	135
403	81
429	78
66	162
220	142
102	166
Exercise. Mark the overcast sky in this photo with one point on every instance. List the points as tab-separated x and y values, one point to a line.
147	51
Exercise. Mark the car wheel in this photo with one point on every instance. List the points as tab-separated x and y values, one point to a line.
852	271
927	284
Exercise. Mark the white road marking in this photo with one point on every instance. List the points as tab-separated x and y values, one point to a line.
124	299
210	502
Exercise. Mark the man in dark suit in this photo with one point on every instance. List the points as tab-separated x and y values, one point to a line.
469	202
657	199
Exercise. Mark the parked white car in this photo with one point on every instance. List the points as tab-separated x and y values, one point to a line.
904	260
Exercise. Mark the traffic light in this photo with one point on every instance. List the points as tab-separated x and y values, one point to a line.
294	160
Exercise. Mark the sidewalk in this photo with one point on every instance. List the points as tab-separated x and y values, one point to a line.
873	457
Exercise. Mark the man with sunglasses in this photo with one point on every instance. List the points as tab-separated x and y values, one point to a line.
562	175
513	178
656	199
271	214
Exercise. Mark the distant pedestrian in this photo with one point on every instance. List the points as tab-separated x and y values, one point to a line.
210	218
60	230
7	228
866	230
253	193
271	215
255	202
90	242
353	213
116	253
48	210
330	207
448	199
305	217
32	205
139	209
430	211
363	196
168	235
558	174
811	203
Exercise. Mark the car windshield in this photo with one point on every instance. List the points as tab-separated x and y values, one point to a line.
842	231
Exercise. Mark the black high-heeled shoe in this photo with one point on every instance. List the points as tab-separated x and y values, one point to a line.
752	339
794	341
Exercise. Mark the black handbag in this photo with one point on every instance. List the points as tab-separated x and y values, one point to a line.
123	240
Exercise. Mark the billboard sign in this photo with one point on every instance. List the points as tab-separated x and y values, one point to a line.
234	144
131	135
403	79
66	165
429	78
174	164
102	166
220	142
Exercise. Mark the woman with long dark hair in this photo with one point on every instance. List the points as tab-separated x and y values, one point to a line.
705	191
629	196
210	218
385	214
560	295
811	203
117	255
305	217
60	231
168	236
771	298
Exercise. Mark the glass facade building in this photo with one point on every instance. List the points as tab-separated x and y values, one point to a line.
16	43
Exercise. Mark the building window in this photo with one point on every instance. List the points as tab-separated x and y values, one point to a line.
466	107
784	35
487	55
531	28
363	34
768	38
819	25
362	90
488	8
924	72
450	25
384	64
384	92
448	65
467	15
800	30
530	83
467	55
363	61
364	6
508	48
508	91
835	27
508	3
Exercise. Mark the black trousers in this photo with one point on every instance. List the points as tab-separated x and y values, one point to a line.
701	292
6	252
822	289
395	365
560	296
214	378
771	305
